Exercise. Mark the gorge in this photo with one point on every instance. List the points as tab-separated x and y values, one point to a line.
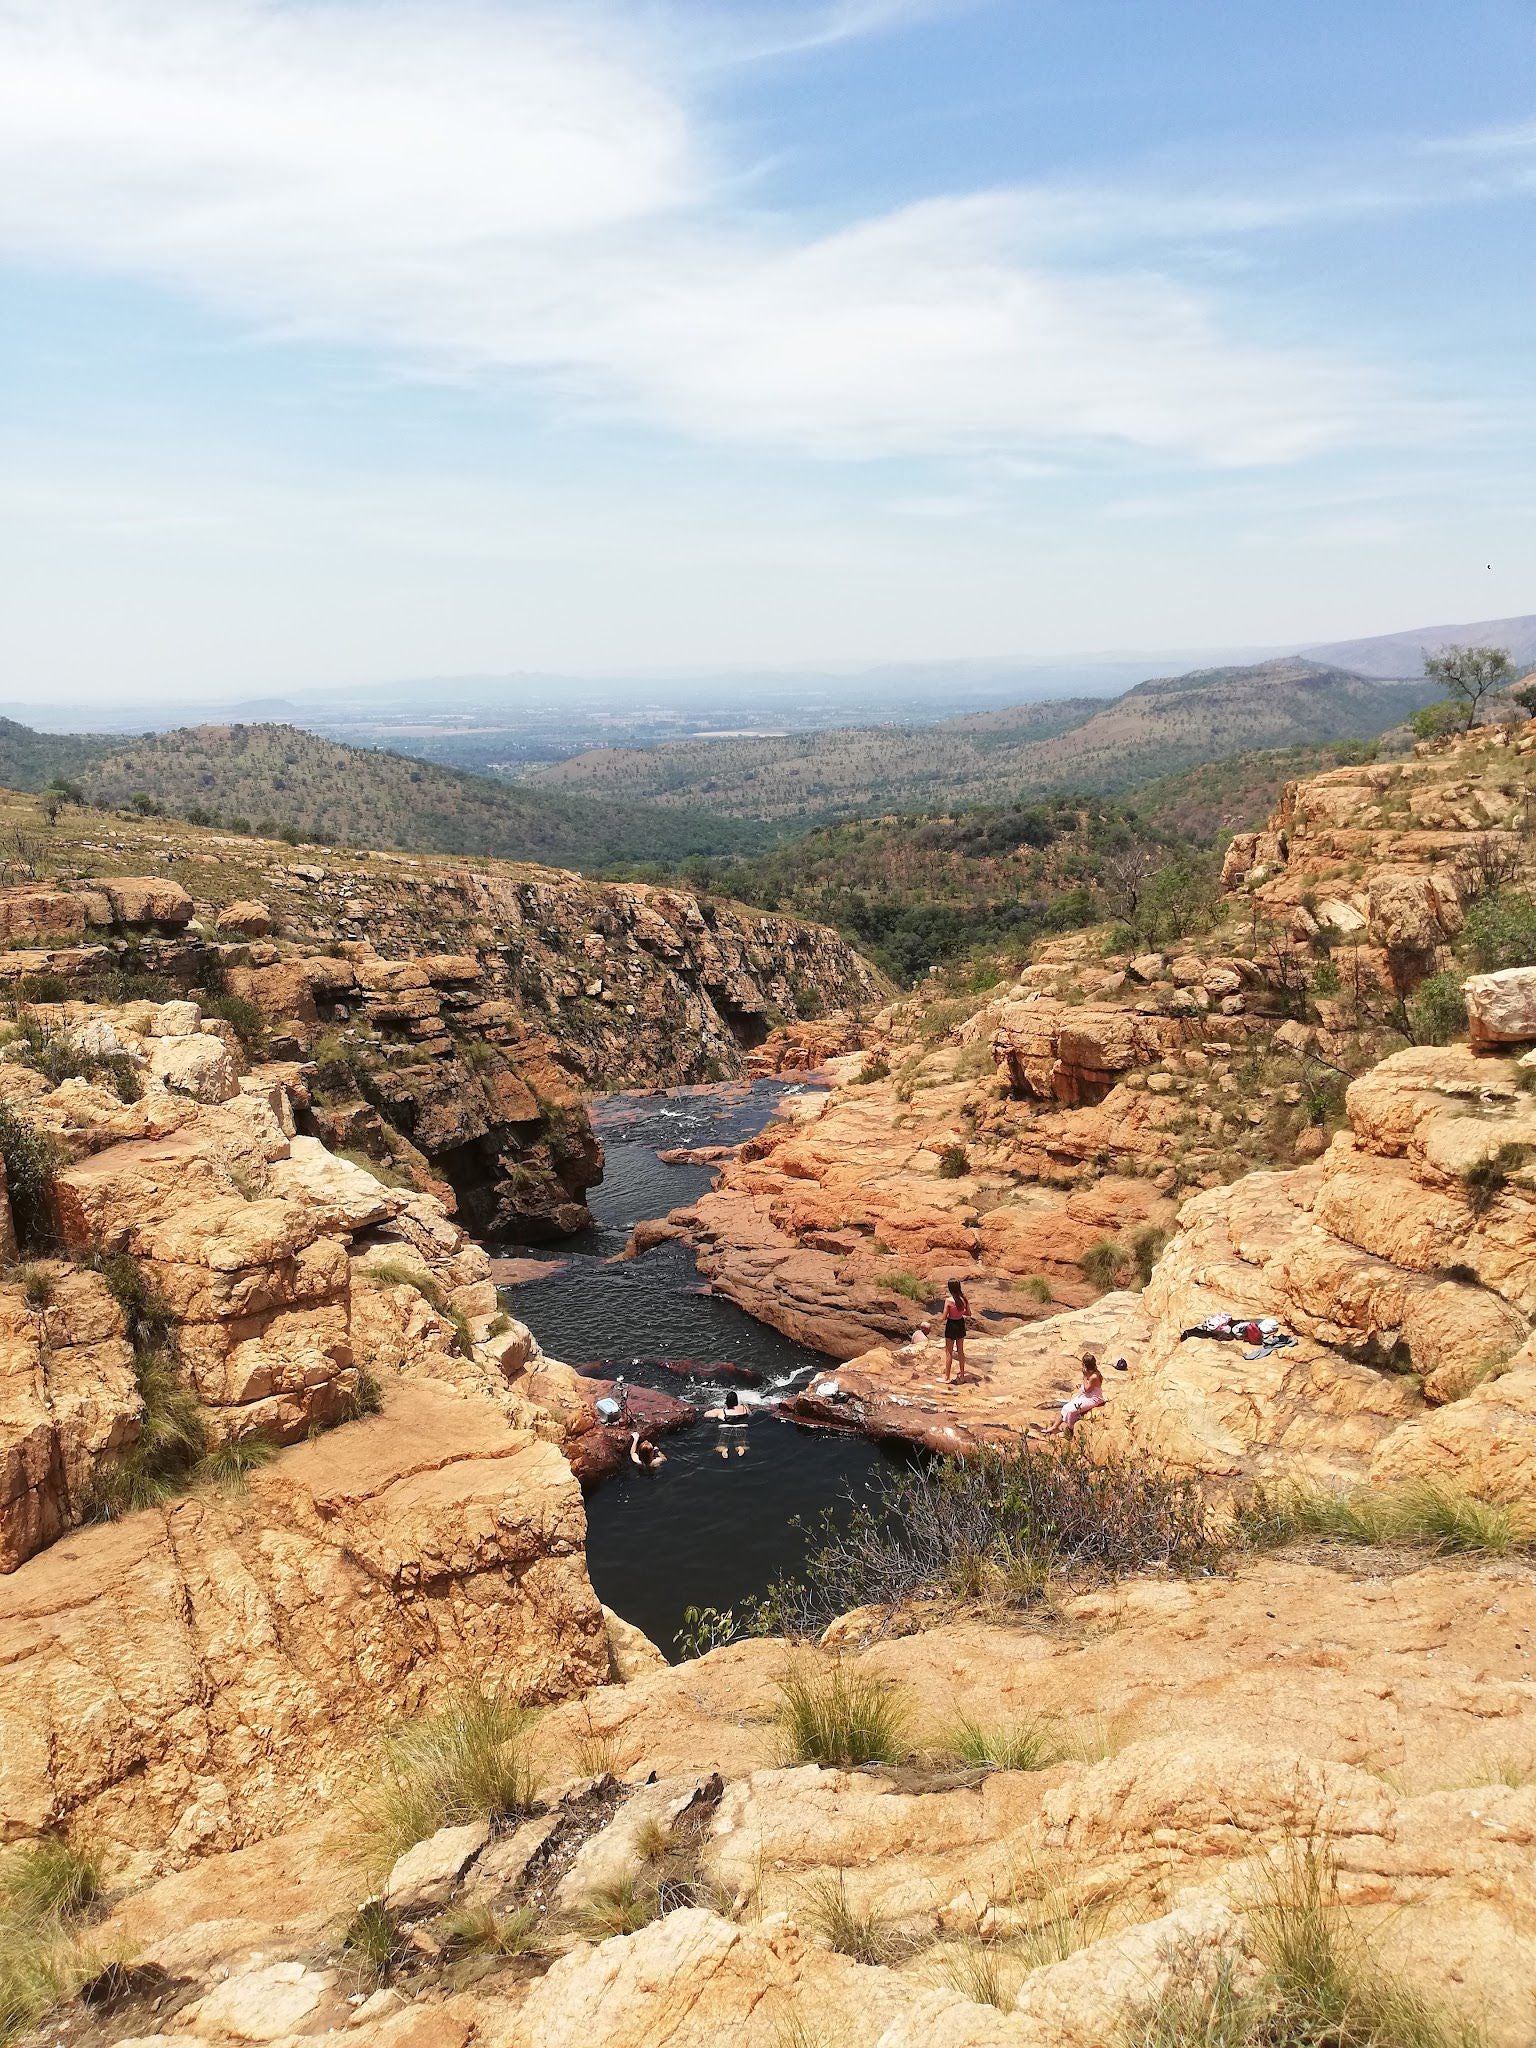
281	1468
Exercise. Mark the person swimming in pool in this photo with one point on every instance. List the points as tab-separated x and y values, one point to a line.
644	1453
732	1417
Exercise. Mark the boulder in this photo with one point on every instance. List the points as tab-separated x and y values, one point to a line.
1501	1007
150	899
201	1066
244	920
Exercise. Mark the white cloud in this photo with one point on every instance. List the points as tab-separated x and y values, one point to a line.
497	189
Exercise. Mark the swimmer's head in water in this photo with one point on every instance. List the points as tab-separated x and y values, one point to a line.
732	1399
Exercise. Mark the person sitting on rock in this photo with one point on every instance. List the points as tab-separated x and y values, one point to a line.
644	1453
1090	1395
957	1312
732	1417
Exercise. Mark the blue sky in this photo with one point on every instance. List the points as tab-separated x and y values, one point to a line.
344	339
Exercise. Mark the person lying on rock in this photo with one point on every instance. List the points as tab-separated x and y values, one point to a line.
732	1417
1090	1395
644	1453
957	1311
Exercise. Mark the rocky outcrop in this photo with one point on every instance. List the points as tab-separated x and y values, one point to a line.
198	1675
455	1016
202	1247
1501	1008
1209	1732
1386	855
1402	1265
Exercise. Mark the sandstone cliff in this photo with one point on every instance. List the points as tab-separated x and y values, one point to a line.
453	1016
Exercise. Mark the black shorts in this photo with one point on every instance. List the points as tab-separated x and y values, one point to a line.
954	1326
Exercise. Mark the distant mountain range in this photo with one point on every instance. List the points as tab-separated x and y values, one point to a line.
1161	727
610	806
472	721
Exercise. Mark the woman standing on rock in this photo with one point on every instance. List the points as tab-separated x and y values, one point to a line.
957	1311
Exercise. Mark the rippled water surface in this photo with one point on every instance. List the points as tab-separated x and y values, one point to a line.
702	1531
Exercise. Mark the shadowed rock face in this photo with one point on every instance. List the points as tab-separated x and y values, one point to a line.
458	1016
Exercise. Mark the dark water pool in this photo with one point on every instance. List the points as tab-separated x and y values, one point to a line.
702	1531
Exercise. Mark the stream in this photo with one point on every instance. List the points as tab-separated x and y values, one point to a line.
703	1531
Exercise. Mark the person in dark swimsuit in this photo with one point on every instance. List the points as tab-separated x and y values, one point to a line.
732	1417
957	1312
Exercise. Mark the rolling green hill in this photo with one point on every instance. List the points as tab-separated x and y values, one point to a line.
278	780
31	760
918	891
1160	728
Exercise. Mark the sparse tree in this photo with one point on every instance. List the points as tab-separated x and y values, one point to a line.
1468	675
1124	874
1525	696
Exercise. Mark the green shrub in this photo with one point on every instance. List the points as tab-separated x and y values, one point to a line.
1434	721
1500	931
954	1162
1027	1745
230	1464
912	1285
1037	1287
49	1879
373	1943
830	1914
468	1760
478	1930
1437	1012
1146	1250
172	1441
837	1718
1104	1265
57	1058
32	1158
876	1068
243	1016
1421	1514
45	1890
148	1318
705	1629
367	1397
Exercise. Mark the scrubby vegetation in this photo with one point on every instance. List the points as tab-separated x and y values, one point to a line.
283	783
31	1158
1000	1525
1420	1515
1160	728
1319	1984
837	1717
47	1890
467	1760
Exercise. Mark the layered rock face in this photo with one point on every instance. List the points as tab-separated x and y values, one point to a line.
455	1015
1386	855
195	1676
1403	1264
215	1284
